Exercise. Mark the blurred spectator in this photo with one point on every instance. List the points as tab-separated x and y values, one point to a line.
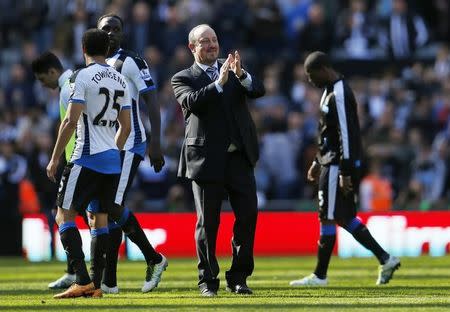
317	34
376	99
404	32
13	169
299	85
155	61
195	12
152	188
295	16
228	16
19	94
273	96
142	30
399	106
356	30
280	167
375	190
174	32
442	63
265	28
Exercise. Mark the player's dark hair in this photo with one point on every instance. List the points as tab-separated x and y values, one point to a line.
44	62
95	42
110	15
317	60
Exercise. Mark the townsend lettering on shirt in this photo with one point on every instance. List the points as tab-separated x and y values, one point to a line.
107	74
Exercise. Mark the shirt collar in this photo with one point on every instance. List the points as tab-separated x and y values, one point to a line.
205	67
64	76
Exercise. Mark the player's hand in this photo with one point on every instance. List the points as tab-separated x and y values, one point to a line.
313	172
345	182
52	167
235	64
156	157
223	75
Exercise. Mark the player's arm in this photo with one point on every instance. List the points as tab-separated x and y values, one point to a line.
66	130
347	140
124	119
124	127
139	73
155	153
346	128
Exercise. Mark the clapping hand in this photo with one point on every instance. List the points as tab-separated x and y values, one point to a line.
235	64
223	75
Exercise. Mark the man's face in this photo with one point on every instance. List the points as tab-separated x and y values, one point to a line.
48	79
206	46
317	77
112	26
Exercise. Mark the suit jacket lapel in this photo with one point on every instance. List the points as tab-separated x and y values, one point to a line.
200	75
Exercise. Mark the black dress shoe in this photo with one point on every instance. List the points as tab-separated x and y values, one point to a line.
241	289
205	292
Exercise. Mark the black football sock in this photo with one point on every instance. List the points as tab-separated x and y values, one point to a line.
99	245
71	241
70	269
363	236
326	245
112	253
132	228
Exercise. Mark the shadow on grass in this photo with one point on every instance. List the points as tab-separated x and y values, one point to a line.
287	291
211	303
355	288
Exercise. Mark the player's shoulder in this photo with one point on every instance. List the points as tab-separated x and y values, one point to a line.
84	73
187	72
131	57
75	74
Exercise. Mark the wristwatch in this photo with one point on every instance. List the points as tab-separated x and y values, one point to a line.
243	76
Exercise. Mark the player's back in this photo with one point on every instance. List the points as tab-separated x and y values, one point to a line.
104	92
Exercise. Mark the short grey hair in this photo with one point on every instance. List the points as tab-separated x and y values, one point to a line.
192	36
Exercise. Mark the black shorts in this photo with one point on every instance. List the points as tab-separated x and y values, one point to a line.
130	164
333	204
80	185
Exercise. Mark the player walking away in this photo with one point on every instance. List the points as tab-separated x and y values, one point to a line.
339	157
99	101
138	77
49	71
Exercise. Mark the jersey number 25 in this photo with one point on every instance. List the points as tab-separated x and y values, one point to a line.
98	121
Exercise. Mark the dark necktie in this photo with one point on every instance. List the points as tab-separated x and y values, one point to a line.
212	73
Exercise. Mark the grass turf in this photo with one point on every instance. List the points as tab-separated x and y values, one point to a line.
420	284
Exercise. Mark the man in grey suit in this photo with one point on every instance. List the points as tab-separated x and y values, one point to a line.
219	154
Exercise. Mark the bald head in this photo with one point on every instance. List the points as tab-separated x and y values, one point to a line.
317	60
318	69
203	44
196	32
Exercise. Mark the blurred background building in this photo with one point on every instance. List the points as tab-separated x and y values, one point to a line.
394	53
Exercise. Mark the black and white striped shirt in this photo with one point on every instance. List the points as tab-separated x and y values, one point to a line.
339	131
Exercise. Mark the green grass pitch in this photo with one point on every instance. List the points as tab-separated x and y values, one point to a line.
421	284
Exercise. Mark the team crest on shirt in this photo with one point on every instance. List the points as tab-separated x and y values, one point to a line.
145	73
324	105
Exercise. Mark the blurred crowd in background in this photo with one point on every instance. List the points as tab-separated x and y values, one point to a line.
393	52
